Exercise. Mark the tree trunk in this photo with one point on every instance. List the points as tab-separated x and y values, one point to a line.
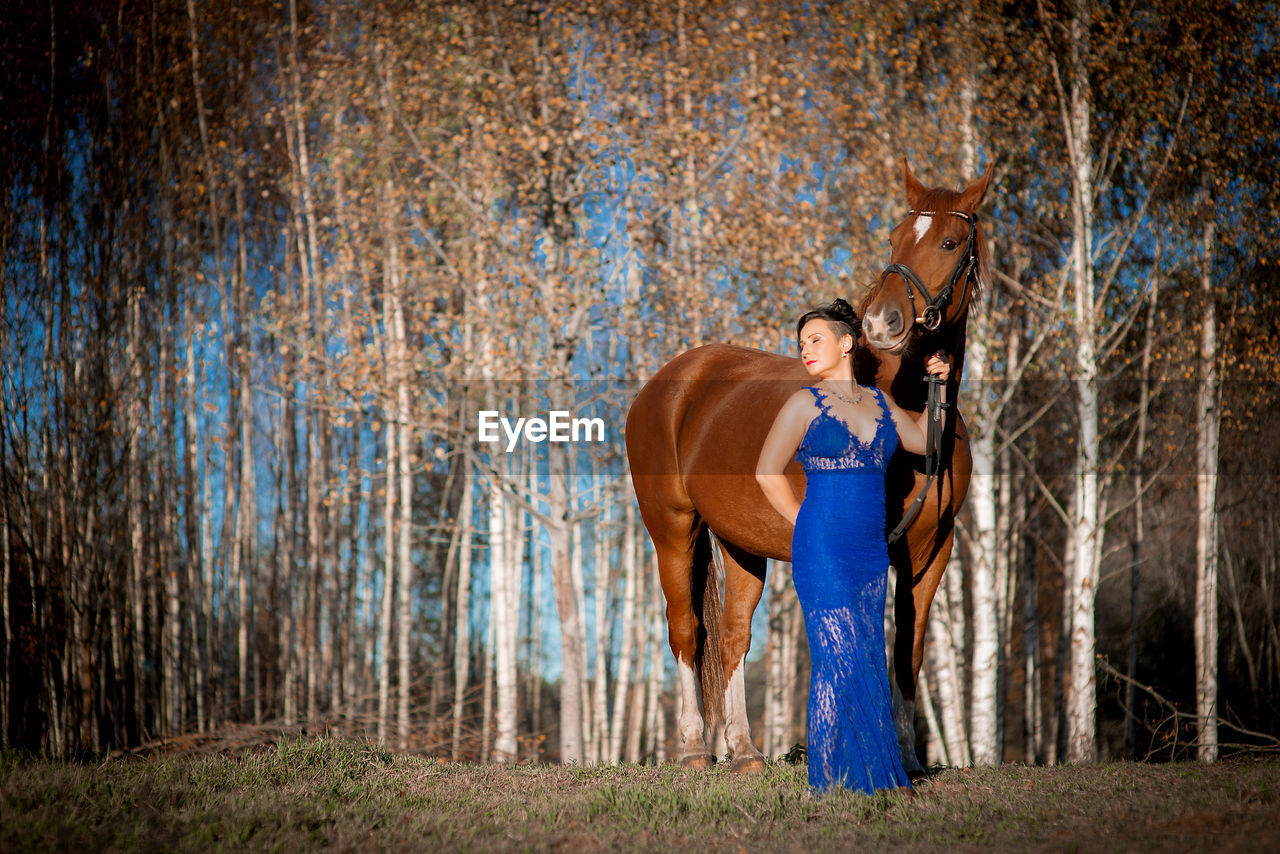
405	549
622	680
980	364
536	572
656	715
503	570
1031	709
600	684
946	653
462	613
1086	520
780	678
1208	417
569	608
388	581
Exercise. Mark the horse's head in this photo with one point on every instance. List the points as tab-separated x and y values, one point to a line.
936	265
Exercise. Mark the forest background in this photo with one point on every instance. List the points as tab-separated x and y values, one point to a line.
265	261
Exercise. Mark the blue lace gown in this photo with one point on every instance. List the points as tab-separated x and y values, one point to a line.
840	561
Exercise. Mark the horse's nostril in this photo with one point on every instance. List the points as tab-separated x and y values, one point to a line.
894	322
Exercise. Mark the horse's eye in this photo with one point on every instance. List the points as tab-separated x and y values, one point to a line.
949	244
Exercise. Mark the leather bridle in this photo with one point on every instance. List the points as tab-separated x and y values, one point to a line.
935	306
931	318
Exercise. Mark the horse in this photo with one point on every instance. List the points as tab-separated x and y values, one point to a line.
693	436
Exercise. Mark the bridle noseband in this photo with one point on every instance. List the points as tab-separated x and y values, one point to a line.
936	306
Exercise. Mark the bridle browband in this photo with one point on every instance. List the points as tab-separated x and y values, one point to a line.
936	306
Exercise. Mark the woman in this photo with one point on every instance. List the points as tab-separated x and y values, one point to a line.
844	434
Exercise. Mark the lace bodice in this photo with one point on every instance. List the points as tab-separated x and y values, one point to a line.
829	444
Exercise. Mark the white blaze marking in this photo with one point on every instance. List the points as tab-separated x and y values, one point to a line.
922	223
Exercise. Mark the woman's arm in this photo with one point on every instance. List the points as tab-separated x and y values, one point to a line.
779	447
913	429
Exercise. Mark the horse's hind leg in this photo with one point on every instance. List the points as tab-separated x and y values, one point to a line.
673	533
743	584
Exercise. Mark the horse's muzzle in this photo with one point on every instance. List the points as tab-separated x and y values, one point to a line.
886	330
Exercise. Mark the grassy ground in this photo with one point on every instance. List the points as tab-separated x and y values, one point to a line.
331	794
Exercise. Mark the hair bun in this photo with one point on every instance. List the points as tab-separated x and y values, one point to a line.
846	313
843	308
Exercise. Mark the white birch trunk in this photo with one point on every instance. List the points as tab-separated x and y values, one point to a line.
600	684
536	571
1208	418
946	654
935	746
1086	528
502	555
622	683
462	617
655	714
640	730
388	583
791	675
1031	710
980	366
405	546
580	598
568	607
983	709
486	697
780	682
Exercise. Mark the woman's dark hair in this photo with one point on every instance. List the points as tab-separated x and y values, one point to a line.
843	319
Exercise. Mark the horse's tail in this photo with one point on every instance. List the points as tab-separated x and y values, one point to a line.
708	569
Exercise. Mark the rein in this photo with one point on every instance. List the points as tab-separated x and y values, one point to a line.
932	453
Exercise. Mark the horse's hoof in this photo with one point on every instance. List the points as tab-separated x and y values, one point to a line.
696	761
749	764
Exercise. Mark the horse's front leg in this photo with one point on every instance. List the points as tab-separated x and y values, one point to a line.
911	618
743	584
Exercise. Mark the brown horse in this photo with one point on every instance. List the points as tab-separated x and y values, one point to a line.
694	434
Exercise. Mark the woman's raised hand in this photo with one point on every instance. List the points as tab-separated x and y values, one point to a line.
938	365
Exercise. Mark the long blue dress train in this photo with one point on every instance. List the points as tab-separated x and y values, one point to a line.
839	565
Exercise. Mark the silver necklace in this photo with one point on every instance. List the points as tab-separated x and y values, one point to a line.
855	400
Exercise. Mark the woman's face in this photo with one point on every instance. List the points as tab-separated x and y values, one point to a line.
821	349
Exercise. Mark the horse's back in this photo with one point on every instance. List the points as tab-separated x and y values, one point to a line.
683	390
694	434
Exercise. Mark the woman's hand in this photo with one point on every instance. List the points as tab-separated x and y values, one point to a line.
938	365
913	429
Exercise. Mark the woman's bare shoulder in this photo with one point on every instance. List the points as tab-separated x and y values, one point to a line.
800	406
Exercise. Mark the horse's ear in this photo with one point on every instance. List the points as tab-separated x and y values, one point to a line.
915	190
972	196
